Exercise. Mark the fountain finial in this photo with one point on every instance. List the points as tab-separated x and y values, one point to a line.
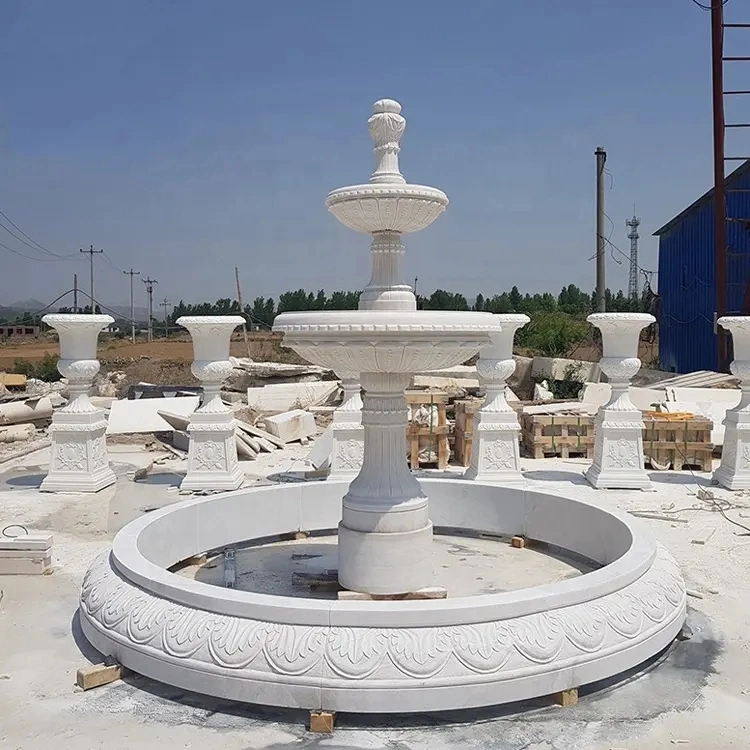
386	128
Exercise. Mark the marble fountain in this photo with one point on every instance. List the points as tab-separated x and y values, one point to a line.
377	650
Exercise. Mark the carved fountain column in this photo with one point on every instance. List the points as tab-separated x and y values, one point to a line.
495	455
734	470
79	451
212	452
348	434
618	446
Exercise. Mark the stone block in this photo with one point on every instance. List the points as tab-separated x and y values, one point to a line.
281	397
291	425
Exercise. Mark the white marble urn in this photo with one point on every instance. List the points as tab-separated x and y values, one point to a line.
618	446
734	470
212	451
79	453
495	453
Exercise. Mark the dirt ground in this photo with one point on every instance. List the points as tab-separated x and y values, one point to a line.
263	346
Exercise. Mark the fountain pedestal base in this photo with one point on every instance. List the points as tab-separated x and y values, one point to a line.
618	451
389	563
212	454
734	471
79	453
495	454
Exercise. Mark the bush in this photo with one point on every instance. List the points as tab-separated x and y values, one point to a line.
45	369
552	334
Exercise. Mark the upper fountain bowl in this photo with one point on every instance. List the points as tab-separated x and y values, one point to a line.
387	341
382	207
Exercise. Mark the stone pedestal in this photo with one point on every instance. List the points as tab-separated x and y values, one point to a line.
734	470
385	534
212	452
618	446
79	452
495	454
348	433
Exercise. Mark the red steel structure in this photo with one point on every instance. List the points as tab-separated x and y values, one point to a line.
722	251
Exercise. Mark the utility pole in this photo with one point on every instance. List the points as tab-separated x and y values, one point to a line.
91	253
242	310
132	273
601	285
75	292
166	305
633	236
149	282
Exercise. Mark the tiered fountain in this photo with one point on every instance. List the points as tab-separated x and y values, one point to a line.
383	653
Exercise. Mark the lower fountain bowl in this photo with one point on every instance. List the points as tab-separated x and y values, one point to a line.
381	656
387	341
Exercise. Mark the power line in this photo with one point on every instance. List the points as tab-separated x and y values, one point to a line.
36	245
23	255
708	7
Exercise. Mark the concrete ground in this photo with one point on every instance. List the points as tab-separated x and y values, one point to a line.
696	695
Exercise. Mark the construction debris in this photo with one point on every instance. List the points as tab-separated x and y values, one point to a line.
142	415
28	554
17	433
36	410
285	396
292	425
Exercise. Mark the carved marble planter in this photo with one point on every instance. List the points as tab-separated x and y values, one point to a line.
348	449
212	452
734	470
495	455
79	452
618	447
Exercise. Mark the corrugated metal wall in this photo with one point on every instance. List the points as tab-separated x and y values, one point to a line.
686	281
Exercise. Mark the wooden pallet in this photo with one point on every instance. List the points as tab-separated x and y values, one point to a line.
682	442
437	433
563	435
464	429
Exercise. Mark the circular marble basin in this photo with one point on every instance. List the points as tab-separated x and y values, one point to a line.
395	656
387	341
387	207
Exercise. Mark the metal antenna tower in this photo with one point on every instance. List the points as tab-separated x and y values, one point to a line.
633	235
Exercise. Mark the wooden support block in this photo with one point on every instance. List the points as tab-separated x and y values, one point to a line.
429	592
518	542
99	674
322	721
566	698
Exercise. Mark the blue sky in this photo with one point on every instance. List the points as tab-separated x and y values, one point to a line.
186	137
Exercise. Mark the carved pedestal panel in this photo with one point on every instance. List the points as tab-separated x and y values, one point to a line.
79	452
495	455
348	448
618	450
212	453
